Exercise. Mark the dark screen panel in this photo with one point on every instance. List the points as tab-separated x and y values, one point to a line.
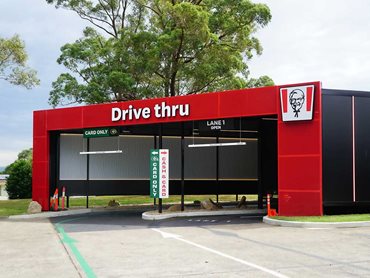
362	135
337	148
268	137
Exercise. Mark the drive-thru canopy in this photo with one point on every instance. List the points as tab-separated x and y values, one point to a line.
301	142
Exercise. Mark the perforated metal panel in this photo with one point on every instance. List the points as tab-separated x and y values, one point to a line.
238	162
200	163
72	164
132	163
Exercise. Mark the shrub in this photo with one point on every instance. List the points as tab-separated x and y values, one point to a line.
19	182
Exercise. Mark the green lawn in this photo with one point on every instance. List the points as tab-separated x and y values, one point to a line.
327	218
134	200
13	207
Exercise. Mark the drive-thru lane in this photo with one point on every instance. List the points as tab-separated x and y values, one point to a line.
121	244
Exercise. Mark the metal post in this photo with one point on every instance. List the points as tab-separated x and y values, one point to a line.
87	173
155	146
259	168
57	170
67	201
236	197
217	168
160	147
182	167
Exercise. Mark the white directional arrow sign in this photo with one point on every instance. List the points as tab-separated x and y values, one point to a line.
165	234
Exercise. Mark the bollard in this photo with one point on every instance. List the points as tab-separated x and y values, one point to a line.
63	197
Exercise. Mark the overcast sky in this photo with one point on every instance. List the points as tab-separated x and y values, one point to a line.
307	40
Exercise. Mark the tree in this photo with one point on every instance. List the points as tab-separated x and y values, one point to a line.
13	68
260	82
158	48
25	154
19	182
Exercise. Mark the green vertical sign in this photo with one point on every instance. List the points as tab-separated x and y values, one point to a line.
154	173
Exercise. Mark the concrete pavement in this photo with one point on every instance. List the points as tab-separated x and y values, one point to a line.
33	249
120	244
117	245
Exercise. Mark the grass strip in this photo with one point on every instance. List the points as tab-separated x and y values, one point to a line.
99	201
14	207
326	218
20	206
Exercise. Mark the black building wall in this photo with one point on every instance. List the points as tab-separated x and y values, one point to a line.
346	148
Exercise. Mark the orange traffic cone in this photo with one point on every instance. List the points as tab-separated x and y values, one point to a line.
270	212
56	198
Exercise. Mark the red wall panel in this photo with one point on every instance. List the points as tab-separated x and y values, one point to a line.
39	117
300	203
65	118
40	152
299	137
300	162
303	173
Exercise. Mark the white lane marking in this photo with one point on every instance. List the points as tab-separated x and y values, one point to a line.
228	221
213	220
261	268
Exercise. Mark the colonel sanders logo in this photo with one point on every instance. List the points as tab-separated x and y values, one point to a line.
297	103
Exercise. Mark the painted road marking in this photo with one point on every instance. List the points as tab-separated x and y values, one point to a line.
70	242
261	268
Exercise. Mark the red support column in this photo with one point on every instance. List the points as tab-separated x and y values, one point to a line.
300	162
40	166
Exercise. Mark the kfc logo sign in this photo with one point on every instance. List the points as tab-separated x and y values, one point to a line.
297	103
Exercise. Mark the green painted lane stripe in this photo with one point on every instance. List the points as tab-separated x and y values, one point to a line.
70	242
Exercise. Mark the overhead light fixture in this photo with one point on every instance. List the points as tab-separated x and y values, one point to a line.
102	152
217	145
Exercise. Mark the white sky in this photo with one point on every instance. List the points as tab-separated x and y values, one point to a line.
307	40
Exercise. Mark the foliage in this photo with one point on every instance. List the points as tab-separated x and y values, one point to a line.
158	48
260	82
13	68
25	154
19	182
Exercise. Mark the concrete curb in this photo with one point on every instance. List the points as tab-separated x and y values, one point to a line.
154	215
297	224
50	214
